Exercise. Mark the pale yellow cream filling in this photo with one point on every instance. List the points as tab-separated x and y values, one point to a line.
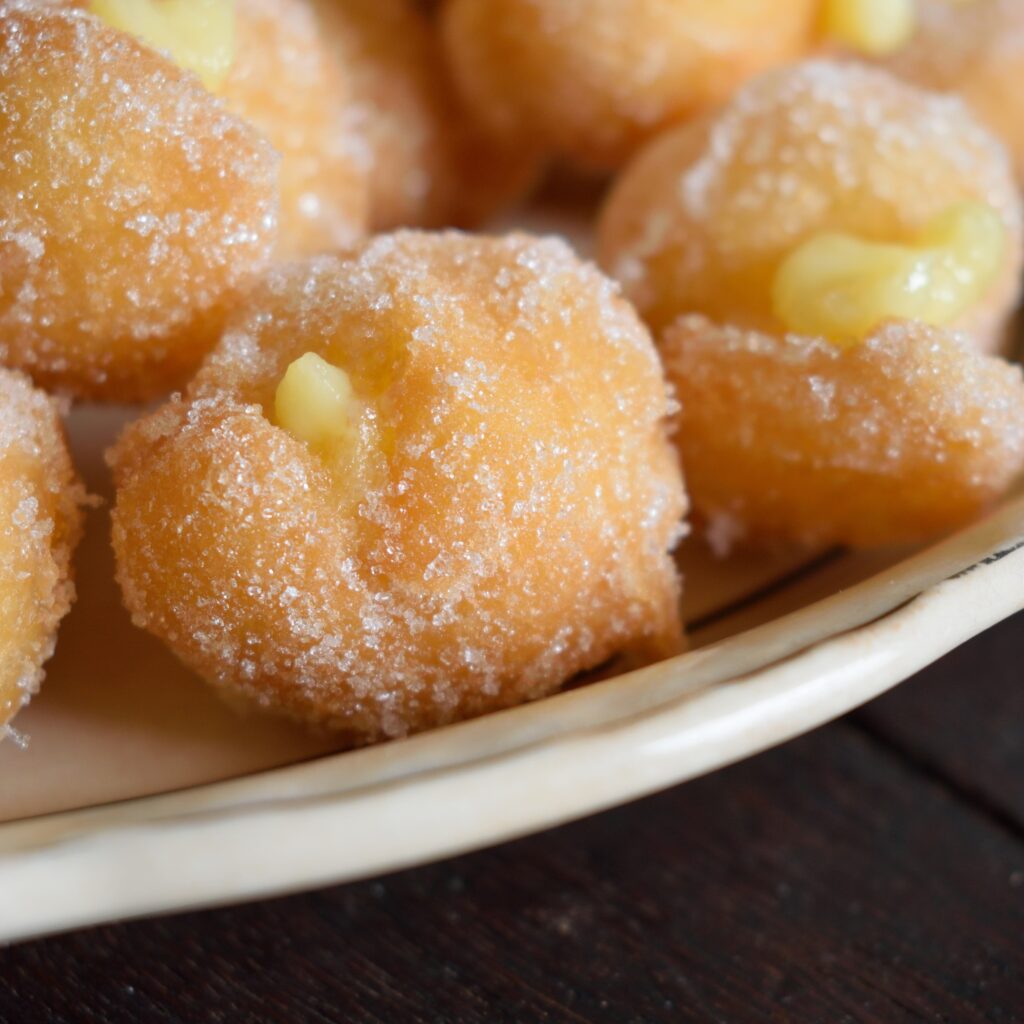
840	287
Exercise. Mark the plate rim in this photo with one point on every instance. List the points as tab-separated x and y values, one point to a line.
514	772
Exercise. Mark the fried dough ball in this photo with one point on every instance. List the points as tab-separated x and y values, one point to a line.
593	79
40	521
974	48
133	207
827	235
416	484
429	165
843	169
906	435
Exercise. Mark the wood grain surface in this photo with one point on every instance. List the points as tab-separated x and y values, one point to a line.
872	871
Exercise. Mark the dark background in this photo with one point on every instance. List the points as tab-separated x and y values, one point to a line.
872	871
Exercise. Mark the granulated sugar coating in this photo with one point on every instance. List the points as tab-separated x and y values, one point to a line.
975	49
500	520
429	165
132	207
287	82
40	522
593	79
905	436
702	220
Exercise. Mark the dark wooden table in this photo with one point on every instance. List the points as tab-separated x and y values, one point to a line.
872	871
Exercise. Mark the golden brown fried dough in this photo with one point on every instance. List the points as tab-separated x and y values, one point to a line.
592	80
410	486
905	436
133	207
40	521
705	217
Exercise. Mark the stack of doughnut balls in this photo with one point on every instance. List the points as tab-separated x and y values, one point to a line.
408	473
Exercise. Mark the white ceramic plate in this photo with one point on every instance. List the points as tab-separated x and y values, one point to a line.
138	792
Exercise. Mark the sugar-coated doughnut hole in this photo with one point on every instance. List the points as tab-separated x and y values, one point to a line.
907	435
430	166
706	216
133	207
974	48
411	485
40	521
593	79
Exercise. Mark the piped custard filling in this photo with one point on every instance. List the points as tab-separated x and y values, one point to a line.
872	27
315	403
840	287
199	35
